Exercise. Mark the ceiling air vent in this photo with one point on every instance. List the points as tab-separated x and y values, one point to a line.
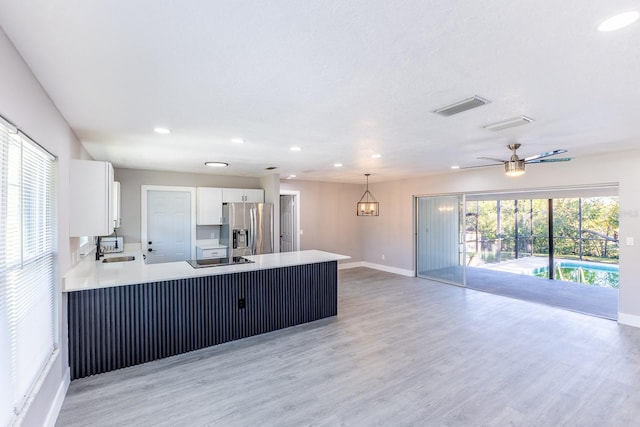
460	106
518	121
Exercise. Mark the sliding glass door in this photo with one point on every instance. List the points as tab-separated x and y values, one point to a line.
440	248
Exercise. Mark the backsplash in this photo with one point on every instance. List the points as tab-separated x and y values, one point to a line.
206	232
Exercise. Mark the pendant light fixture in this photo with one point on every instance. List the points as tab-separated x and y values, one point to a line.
514	167
366	207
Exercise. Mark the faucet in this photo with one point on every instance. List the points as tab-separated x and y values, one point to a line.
98	253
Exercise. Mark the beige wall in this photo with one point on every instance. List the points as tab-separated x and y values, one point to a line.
131	181
25	103
328	216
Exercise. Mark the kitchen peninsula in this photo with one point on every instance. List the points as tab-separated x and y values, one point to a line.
127	313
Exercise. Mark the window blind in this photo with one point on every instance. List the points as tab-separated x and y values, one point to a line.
28	309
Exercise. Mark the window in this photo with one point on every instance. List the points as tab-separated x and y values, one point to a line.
28	311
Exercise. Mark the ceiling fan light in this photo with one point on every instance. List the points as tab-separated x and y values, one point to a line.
514	168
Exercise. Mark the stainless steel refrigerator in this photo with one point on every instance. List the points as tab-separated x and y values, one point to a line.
247	228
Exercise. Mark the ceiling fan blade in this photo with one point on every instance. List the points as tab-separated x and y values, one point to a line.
492	159
546	154
561	159
480	166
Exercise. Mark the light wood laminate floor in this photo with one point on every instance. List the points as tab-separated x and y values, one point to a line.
401	352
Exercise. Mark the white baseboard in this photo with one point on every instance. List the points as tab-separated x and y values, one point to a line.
347	265
56	405
629	319
374	266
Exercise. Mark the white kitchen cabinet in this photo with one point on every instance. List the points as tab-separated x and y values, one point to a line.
210	249
209	206
254	195
210	253
117	216
231	195
91	194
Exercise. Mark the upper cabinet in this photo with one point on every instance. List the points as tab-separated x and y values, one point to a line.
210	200
91	193
230	195
209	206
254	195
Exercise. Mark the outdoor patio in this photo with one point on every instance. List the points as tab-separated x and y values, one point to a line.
510	279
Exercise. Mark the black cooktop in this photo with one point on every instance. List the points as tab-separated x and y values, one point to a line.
216	262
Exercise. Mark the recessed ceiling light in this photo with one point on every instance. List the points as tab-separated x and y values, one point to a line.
455	167
376	156
337	165
296	149
217	164
291	176
237	141
619	21
161	130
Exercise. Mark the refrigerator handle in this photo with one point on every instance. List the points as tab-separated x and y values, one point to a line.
252	230
272	235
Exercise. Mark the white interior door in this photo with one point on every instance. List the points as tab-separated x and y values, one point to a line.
168	226
287	223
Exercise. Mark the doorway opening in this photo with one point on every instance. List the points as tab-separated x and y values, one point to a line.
557	247
289	221
514	235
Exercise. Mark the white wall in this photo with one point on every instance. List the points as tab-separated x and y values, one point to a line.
394	228
26	104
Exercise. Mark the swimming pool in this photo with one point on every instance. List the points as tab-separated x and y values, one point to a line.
588	273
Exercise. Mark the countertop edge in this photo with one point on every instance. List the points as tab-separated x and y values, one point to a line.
90	274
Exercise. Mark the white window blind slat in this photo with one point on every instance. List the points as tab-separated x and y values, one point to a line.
6	392
27	268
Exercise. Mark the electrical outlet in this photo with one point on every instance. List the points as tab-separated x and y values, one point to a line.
212	235
383	257
241	304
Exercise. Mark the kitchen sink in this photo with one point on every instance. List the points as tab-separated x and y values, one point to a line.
119	259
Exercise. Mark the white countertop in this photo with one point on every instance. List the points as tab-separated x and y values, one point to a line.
91	274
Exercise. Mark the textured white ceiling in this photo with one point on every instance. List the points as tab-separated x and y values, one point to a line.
341	79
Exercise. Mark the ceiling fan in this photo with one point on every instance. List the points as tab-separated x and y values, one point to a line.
515	165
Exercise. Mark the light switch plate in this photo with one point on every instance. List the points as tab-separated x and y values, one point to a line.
629	241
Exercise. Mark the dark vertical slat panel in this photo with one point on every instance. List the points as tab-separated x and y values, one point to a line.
112	328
